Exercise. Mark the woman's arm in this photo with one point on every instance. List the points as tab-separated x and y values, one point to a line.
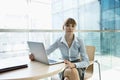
52	47
84	57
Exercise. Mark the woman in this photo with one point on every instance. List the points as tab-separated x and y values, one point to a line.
72	49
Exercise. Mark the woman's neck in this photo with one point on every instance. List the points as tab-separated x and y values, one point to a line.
69	37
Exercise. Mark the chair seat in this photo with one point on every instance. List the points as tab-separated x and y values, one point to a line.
88	75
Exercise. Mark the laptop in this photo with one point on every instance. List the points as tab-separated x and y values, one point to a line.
38	50
11	64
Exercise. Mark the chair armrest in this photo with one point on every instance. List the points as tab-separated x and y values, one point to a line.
84	69
92	62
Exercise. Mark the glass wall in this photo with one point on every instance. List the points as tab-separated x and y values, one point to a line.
17	18
97	22
86	13
110	18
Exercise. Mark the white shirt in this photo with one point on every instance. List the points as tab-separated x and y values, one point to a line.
76	51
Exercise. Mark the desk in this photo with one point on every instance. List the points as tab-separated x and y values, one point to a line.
34	71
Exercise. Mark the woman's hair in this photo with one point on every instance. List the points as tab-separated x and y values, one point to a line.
70	21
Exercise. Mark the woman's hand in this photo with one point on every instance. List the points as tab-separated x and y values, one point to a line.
69	64
31	56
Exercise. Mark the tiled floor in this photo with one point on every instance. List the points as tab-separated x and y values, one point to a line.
107	72
112	74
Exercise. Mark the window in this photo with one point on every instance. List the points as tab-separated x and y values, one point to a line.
18	18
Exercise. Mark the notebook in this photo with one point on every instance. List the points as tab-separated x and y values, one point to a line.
11	64
38	50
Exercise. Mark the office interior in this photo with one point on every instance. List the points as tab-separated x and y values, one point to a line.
98	24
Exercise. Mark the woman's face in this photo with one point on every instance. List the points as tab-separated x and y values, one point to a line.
70	28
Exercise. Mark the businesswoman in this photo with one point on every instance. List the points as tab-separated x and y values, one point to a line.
72	49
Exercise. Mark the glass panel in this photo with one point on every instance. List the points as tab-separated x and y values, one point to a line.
117	18
57	20
34	14
13	15
71	13
108	22
12	44
40	16
89	16
105	4
84	2
72	4
117	3
117	44
111	4
57	6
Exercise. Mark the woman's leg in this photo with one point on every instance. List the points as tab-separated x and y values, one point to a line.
71	74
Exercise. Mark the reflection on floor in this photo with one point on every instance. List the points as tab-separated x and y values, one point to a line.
110	68
112	74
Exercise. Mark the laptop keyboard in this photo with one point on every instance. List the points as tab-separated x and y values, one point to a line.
52	61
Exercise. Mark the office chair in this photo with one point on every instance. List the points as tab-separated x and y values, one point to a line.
88	72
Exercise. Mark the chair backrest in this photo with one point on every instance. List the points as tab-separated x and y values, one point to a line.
90	50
